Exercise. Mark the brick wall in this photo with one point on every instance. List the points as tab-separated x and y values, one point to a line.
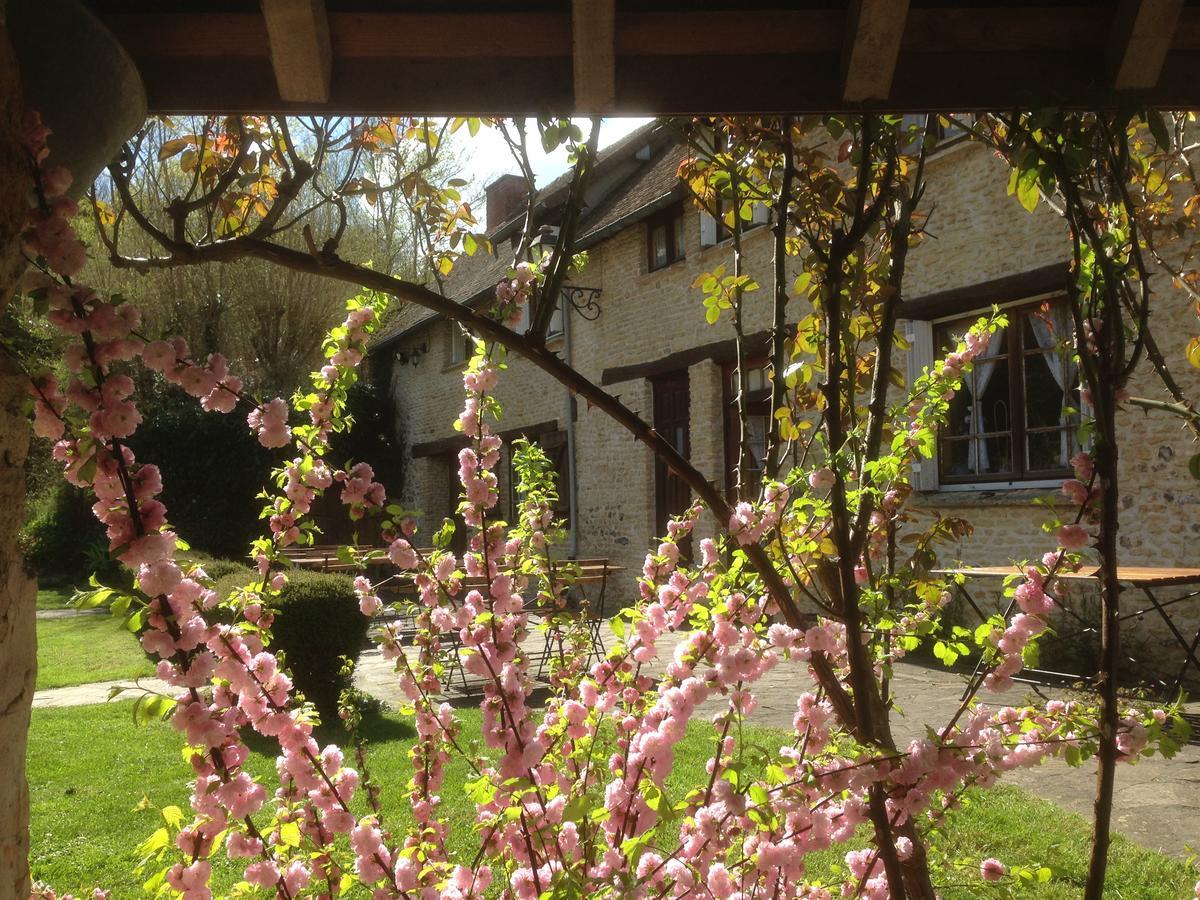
977	233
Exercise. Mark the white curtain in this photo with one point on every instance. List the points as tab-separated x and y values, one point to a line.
1049	336
978	452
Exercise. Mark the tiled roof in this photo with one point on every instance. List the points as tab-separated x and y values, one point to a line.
640	191
649	185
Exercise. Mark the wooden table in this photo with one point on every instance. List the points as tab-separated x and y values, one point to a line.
1146	579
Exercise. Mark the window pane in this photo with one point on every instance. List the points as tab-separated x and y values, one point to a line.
990	382
658	242
678	231
1046	329
1044	400
1049	449
756	441
994	455
956	457
556	322
959	416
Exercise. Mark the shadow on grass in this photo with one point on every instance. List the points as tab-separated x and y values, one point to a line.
376	728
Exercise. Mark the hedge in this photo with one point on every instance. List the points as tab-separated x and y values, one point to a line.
317	623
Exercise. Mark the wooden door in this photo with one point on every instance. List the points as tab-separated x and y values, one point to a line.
672	404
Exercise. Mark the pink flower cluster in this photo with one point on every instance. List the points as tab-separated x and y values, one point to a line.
1034	595
513	295
270	422
48	233
749	522
360	491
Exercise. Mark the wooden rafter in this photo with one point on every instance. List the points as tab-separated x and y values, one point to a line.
874	31
1141	36
509	60
301	52
593	39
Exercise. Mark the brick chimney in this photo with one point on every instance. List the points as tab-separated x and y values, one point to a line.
505	196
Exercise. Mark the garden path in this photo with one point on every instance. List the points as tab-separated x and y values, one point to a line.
1157	800
69	613
97	692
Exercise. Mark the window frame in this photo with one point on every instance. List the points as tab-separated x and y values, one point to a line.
671	219
1020	476
457	342
554	442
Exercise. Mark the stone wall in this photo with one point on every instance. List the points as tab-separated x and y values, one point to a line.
977	233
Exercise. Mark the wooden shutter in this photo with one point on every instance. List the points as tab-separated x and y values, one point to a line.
708	230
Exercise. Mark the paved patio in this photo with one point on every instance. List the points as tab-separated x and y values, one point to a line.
1157	801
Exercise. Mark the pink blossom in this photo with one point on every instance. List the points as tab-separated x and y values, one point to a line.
1072	537
992	869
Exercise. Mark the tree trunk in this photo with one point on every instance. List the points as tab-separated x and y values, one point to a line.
18	636
1110	634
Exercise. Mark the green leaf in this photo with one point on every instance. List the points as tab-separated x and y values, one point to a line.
1194	466
289	834
1027	189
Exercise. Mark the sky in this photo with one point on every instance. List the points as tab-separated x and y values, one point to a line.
486	156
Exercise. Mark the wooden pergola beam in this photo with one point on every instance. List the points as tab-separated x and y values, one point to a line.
593	40
1140	38
301	52
874	31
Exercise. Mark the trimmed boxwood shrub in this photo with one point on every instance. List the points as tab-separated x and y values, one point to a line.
317	623
216	569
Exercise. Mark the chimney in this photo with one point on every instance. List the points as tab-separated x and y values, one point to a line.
505	196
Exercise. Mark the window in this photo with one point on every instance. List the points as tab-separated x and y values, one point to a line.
758	424
555	328
946	131
1016	416
713	231
459	346
664	238
554	444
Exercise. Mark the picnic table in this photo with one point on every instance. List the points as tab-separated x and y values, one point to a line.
1145	579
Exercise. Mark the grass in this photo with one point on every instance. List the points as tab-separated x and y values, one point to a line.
90	768
54	598
79	649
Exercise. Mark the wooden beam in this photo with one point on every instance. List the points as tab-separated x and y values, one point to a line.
874	30
301	52
593	38
1141	35
1021	286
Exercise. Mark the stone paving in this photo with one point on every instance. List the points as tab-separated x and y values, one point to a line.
97	692
1157	801
69	613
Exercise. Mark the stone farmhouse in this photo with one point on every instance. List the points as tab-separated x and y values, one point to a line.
646	339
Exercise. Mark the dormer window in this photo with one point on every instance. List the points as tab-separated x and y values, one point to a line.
664	238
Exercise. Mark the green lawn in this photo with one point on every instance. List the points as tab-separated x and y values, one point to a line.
79	649
89	768
54	598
